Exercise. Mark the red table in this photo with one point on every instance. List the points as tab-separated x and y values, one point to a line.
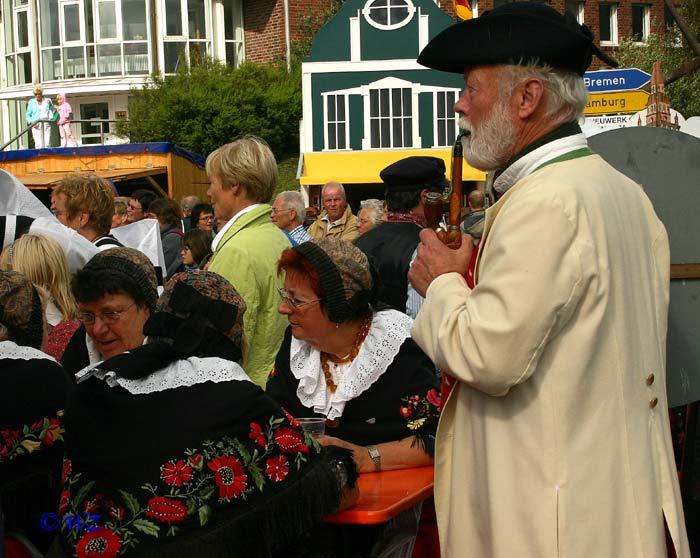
386	494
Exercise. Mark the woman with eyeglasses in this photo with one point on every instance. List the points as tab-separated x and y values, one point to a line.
346	359
202	217
195	249
116	293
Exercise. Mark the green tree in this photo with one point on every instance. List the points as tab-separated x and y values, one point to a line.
209	104
672	50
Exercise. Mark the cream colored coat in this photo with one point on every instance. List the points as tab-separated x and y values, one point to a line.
555	442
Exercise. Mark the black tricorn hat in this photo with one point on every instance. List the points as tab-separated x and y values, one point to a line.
514	33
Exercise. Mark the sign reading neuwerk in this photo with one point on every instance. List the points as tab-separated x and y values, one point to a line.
616	103
622	79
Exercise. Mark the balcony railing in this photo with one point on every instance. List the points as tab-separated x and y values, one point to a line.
97	122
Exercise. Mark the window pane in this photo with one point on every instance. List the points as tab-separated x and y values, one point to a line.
234	53
374	103
451	132
341	136
91	131
406	102
340	104
330	108
398	142
196	19
637	22
22	30
198	52
174	56
73	62
24	67
374	132
11	70
108	19
71	22
91	65
109	60
441	133
51	64
384	108
173	18
134	20
331	136
396	101
8	23
407	133
136	58
385	131
604	11
233	23
49	23
89	26
441	105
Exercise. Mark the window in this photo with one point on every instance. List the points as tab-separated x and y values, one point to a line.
336	121
18	38
233	32
608	23
391	117
388	14
640	22
576	9
90	132
187	33
445	118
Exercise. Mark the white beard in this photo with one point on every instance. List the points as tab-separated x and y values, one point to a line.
491	144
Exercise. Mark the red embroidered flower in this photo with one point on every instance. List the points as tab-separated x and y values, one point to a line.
196	460
11	436
277	468
166	510
67	470
37	425
64	501
405	412
92	505
98	543
290	440
176	473
4	450
433	397
229	475
53	433
290	418
256	434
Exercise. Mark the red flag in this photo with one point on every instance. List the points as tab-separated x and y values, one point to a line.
463	9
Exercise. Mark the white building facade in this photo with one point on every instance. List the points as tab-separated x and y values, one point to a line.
94	51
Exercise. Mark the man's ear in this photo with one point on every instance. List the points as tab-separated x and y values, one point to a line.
529	97
423	194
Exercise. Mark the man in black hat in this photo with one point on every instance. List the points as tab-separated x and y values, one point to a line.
392	245
555	440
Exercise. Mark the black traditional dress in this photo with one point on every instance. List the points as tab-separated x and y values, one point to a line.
192	459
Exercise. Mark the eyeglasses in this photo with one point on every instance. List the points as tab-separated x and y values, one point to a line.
109	317
134	207
294	302
206	218
275	211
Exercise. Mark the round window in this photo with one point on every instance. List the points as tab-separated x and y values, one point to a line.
388	14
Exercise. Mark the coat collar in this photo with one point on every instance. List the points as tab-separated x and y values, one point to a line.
259	215
343	218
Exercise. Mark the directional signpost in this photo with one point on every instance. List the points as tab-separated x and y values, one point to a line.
623	79
616	103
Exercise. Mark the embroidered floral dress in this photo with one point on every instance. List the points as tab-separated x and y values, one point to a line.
191	460
33	394
389	392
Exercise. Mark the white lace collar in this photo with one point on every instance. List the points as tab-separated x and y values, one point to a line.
181	373
389	330
535	159
11	350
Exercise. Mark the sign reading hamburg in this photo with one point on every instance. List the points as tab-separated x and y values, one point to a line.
624	79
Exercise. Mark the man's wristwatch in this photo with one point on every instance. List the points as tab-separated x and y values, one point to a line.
376	457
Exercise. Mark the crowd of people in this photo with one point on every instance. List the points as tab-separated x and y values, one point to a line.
151	402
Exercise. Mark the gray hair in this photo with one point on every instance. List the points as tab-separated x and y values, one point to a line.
566	93
376	209
294	200
335	186
188	202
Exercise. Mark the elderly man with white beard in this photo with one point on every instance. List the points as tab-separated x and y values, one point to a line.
555	439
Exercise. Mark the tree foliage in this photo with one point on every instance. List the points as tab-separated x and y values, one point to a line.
209	104
671	50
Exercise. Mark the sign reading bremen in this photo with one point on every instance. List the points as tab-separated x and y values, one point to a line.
625	79
615	103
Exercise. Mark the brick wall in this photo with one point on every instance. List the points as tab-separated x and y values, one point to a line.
263	22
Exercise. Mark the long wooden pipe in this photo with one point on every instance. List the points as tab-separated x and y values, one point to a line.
452	237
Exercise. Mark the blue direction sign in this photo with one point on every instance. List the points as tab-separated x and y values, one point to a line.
622	79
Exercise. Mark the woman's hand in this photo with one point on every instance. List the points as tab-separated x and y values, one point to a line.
359	453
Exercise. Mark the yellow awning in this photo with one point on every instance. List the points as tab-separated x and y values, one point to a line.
363	167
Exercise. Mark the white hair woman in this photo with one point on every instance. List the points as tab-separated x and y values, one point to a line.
371	214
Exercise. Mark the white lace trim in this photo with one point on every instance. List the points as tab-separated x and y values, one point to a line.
182	373
11	350
389	330
535	159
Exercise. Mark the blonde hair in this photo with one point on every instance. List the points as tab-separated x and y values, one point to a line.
120	205
42	260
85	191
249	162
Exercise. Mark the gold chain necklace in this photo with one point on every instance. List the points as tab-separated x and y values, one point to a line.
327	358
